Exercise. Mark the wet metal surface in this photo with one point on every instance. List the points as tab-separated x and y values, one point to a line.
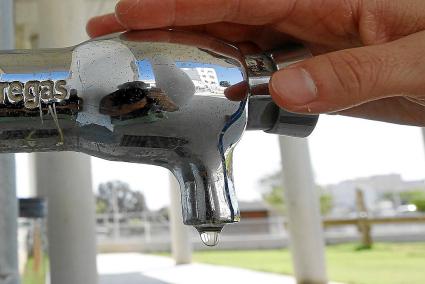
154	97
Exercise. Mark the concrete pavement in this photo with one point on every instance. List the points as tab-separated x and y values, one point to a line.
135	268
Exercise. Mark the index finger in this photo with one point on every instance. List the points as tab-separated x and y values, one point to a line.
147	14
105	24
329	22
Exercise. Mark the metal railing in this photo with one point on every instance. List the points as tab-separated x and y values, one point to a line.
151	232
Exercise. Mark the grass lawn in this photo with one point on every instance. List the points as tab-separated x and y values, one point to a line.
33	276
384	264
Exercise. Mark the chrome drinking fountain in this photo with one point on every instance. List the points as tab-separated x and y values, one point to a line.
152	97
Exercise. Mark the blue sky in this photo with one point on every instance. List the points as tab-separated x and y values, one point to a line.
24	77
233	75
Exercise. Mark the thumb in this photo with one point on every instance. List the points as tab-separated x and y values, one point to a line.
347	78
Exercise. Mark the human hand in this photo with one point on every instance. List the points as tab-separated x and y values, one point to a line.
369	59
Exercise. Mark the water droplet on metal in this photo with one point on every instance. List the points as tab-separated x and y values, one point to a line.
210	238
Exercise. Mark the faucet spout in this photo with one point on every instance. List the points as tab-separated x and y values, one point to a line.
208	194
208	198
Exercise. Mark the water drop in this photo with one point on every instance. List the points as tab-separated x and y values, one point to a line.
210	238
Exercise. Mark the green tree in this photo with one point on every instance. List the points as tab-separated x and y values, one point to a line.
272	193
274	197
128	200
420	204
326	203
414	196
101	206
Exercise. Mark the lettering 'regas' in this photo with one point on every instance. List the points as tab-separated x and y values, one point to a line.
33	92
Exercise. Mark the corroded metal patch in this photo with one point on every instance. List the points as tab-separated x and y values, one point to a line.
135	99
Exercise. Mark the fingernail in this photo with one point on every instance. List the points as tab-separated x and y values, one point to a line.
295	86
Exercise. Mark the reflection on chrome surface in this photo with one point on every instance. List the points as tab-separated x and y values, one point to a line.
154	97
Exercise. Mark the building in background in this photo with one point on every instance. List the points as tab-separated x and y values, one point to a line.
254	209
376	190
204	79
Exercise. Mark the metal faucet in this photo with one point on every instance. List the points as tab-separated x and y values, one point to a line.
153	97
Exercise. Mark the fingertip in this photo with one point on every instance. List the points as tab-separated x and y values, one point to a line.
91	27
121	10
277	98
293	88
102	25
141	14
96	27
237	92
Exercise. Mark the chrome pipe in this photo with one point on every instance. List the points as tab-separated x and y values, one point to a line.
153	97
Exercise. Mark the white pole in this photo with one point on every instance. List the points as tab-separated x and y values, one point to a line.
423	135
66	24
181	242
9	272
65	178
115	214
303	212
7	25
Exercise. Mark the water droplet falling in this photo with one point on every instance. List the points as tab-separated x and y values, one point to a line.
210	238
210	234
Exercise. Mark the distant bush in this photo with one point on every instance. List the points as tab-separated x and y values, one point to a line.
416	197
420	204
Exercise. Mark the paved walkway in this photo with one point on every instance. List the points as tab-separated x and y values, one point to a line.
133	268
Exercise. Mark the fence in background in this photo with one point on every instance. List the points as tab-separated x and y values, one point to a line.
147	232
